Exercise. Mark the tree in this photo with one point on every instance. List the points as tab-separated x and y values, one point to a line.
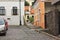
26	3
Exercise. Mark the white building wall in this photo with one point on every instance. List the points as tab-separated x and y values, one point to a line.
14	19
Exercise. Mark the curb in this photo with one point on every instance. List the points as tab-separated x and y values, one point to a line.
57	38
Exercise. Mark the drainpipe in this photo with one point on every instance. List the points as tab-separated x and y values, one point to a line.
20	11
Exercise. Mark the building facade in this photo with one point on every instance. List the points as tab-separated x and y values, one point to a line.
12	11
56	12
47	15
27	13
52	17
39	12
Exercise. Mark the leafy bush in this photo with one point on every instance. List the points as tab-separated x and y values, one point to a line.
31	19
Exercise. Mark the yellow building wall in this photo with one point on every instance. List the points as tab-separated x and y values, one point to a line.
40	23
42	18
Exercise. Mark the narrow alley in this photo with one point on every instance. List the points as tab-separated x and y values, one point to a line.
24	33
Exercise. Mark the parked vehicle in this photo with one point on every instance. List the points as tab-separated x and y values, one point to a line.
3	26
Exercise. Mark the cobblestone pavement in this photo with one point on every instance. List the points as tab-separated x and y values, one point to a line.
23	33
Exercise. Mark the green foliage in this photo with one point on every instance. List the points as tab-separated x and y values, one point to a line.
31	19
26	3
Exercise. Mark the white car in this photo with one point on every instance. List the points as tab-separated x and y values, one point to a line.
3	26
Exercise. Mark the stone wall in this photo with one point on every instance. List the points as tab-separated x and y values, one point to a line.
52	22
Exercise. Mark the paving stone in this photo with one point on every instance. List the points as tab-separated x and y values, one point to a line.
24	33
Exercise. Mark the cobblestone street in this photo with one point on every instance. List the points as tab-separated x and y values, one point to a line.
23	33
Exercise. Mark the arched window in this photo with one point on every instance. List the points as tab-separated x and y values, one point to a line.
2	10
14	10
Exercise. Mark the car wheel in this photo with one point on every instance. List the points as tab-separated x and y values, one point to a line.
4	34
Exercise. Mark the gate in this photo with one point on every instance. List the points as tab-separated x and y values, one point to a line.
52	22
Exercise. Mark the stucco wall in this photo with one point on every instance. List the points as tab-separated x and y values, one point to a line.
14	19
42	18
39	14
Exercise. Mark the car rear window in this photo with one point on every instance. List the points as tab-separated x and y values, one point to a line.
1	21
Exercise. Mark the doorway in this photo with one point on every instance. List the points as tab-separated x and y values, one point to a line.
59	22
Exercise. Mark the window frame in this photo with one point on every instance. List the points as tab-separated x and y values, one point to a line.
2	10
14	9
28	17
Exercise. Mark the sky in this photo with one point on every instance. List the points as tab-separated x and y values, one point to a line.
30	1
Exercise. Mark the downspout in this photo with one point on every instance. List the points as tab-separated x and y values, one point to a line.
21	18
20	11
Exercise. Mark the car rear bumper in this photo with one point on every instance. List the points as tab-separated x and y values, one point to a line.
3	31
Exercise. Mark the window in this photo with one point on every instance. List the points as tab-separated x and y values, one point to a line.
27	20
27	17
2	10
32	16
14	10
27	10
